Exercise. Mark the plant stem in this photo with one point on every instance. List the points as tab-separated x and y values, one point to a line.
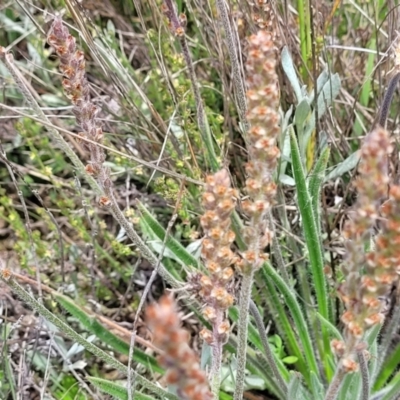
387	100
267	348
215	372
233	48
243	321
364	375
334	386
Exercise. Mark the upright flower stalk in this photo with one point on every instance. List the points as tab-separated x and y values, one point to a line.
219	201
76	87
182	363
263	117
368	274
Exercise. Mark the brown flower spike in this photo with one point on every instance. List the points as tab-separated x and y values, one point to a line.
179	359
219	201
369	275
263	117
76	87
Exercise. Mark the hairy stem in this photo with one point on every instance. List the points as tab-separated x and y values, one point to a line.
245	295
333	389
267	348
387	100
233	49
364	375
216	362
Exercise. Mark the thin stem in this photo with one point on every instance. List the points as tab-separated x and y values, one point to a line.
387	100
387	337
233	48
335	384
267	348
364	375
148	164
216	362
245	295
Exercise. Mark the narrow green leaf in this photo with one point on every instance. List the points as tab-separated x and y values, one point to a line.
333	331
321	81
298	319
394	391
93	326
373	362
302	112
390	365
288	67
172	245
345	166
325	99
366	90
317	388
284	325
310	229
294	385
314	248
328	93
117	391
295	389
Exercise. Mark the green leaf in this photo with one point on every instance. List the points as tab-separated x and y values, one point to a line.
303	111
321	80
328	93
317	388
172	245
310	229
333	331
325	99
117	391
290	360
286	180
295	389
288	67
93	326
283	324
390	365
314	248
394	388
345	166
300	323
